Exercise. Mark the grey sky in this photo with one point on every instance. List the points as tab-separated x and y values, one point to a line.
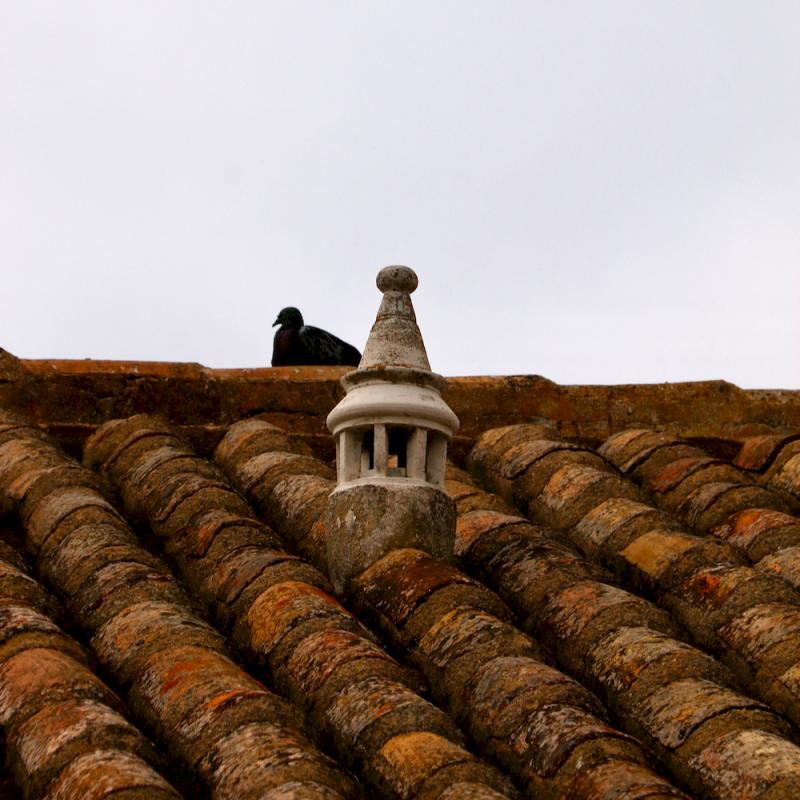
599	192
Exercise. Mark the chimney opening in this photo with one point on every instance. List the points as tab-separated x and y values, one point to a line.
397	461
367	451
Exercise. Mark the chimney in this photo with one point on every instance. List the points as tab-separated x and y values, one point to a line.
391	431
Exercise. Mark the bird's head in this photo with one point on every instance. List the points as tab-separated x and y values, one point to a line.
289	318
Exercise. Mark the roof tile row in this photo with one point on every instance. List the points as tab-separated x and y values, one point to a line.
241	740
277	610
668	693
722	499
542	726
776	458
61	724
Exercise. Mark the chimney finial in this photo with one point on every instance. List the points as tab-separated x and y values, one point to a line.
395	340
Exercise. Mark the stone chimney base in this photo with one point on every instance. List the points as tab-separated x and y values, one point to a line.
366	522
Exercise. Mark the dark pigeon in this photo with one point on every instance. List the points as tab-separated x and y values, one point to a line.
296	344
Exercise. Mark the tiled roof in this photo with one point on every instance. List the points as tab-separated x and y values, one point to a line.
620	618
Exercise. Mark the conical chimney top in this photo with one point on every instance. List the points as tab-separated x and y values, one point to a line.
395	339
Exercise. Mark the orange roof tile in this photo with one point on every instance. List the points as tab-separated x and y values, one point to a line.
620	618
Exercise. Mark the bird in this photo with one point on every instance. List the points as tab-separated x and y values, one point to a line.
296	343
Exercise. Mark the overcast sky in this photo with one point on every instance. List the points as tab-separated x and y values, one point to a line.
597	192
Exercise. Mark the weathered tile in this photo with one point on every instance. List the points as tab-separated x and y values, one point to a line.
33	485
574	490
649	557
18	586
261	472
681	477
788	476
248	438
745	764
469	791
466	631
329	659
73	544
396	584
519	457
280	608
674	711
757	631
711	503
367	713
408	761
101	773
710	598
758	452
473	525
620	447
621	780
37	635
577	618
532	483
36	677
48	741
549	736
759	531
632	662
59	504
128	640
784	564
256	759
116	586
191	496
656	459
614	524
231	707
175	681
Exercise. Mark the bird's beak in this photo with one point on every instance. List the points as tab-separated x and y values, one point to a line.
277	322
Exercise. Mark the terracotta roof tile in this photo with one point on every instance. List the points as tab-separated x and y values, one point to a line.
56	714
675	712
55	508
127	641
462	641
423	765
396	585
751	764
144	634
37	676
572	491
622	447
785	475
276	608
17	586
456	632
787	448
711	495
635	669
653	462
703	723
613	524
757	532
49	741
712	503
101	773
679	478
784	563
252	437
255	758
62	558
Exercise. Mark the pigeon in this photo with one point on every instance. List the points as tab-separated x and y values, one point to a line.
296	343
